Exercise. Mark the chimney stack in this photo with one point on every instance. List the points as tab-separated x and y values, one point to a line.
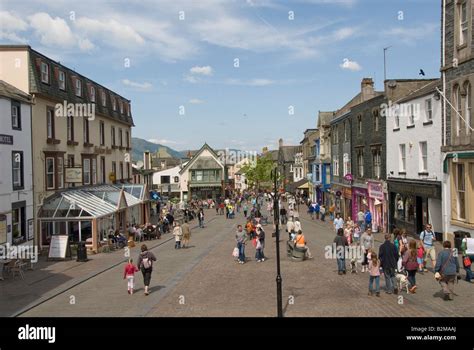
280	143
146	160
367	89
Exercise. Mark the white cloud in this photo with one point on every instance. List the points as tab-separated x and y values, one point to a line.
410	35
52	31
344	33
250	82
11	23
204	70
109	30
164	142
191	79
350	65
85	45
136	85
195	101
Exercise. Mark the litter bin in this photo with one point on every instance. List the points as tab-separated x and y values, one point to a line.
81	252
458	237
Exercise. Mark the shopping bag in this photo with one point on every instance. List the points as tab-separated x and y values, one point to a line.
235	252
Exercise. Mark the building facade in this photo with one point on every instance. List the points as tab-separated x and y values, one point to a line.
203	176
323	158
16	181
82	129
414	161
457	68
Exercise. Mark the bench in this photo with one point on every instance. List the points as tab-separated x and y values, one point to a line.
295	253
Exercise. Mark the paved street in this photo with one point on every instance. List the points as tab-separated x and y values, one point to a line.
204	280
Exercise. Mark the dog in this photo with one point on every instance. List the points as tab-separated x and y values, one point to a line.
353	266
402	282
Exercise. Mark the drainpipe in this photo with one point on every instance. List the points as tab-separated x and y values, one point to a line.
443	121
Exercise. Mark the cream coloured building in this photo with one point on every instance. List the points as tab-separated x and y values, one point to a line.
81	129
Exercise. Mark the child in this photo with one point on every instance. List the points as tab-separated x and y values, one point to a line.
129	273
374	271
420	252
356	233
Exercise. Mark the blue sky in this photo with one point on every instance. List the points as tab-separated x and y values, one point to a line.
189	61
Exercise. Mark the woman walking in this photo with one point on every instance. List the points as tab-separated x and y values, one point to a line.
145	264
411	265
186	234
178	235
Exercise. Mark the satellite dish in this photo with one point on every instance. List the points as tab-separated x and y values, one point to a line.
140	164
392	84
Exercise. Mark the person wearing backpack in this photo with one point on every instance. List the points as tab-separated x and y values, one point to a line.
428	238
145	265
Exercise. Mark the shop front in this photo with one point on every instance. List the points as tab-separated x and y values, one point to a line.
346	202
359	200
413	204
90	213
377	206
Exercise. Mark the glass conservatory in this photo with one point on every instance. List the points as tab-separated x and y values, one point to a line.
90	213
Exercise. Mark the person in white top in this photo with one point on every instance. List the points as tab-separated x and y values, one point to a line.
338	222
290	227
297	225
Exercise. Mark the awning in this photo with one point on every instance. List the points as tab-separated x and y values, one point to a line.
304	186
92	201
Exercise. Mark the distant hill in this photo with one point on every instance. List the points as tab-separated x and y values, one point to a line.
140	145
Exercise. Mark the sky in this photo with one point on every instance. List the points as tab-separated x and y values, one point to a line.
233	73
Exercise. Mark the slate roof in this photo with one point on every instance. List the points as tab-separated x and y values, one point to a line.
7	90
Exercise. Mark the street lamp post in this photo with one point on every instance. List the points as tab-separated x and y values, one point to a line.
276	220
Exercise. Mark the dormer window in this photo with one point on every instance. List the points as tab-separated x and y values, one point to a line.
62	80
114	104
92	94
78	88
104	99
44	72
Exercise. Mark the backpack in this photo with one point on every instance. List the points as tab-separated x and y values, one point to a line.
146	262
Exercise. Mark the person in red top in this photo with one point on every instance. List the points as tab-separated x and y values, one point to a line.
129	274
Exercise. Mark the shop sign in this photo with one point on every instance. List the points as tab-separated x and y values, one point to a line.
73	175
375	190
347	192
348	177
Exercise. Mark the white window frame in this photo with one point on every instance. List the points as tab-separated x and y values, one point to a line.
50	124
396	121
411	116
458	106
377	163
86	170
460	190
468	107
121	106
92	93
360	164
423	146
16	115
17	168
94	170
62	80
50	173
44	72
104	98
60	170
402	165
428	110
78	88
114	103
335	170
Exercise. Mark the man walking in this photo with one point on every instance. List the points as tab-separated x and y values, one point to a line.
367	241
338	222
428	238
388	256
340	242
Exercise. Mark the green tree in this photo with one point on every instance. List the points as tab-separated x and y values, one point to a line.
259	173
